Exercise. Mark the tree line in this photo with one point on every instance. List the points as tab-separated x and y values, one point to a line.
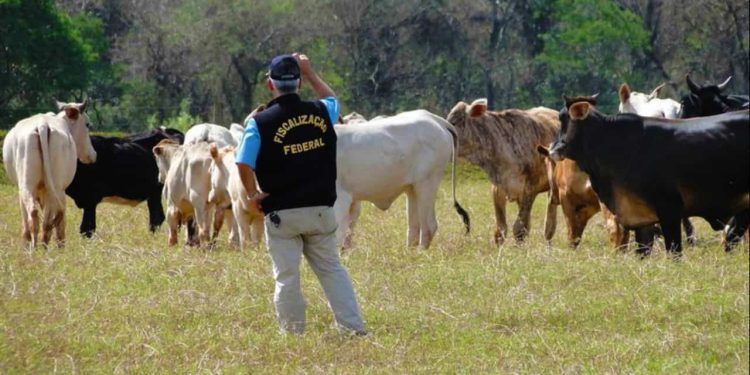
145	63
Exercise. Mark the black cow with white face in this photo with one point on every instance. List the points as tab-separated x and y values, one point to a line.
125	173
649	170
710	100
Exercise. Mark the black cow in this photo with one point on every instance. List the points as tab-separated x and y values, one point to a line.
125	172
649	170
709	100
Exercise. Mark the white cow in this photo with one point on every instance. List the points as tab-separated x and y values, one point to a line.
210	133
187	183
379	160
227	190
648	105
39	155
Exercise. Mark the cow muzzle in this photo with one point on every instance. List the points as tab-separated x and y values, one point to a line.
556	151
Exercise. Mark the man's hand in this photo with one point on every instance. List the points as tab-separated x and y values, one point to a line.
305	69
308	74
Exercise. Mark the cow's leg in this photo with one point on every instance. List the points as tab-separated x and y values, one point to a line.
689	231
354	210
550	220
202	220
29	218
258	229
412	217
218	221
242	223
60	228
173	220
155	212
499	200
52	217
191	237
341	210
644	240
522	224
426	193
618	235
234	236
668	210
570	220
737	228
88	223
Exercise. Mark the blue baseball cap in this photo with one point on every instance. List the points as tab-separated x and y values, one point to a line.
284	68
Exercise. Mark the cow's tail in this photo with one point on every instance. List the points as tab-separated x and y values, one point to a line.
464	215
49	182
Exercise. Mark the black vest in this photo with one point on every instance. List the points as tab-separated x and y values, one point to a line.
296	164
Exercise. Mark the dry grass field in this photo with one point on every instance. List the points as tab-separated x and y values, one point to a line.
124	302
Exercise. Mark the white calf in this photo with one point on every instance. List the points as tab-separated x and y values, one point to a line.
227	190
648	105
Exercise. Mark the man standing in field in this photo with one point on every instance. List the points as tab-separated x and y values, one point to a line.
291	147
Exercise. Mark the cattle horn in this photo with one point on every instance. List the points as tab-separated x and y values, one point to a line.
724	84
691	85
654	94
83	106
594	96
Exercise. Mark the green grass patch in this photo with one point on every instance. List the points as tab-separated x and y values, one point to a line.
125	302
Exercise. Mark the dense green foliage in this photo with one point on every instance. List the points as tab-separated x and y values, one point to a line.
172	61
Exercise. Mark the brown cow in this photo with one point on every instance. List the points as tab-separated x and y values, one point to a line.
503	144
571	188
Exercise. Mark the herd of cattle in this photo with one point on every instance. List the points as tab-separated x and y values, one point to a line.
648	169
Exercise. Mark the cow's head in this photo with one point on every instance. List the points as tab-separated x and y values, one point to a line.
465	117
221	160
571	116
639	103
163	153
78	124
704	100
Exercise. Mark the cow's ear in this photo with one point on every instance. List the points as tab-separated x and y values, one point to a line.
579	111
544	151
158	150
477	108
624	93
72	113
60	105
655	94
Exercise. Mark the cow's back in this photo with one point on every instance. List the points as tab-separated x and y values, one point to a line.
210	133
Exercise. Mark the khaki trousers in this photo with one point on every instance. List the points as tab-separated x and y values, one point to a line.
308	231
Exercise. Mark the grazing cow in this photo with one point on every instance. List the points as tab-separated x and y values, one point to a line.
649	170
504	144
39	156
186	187
648	105
125	173
709	100
379	160
227	190
651	106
